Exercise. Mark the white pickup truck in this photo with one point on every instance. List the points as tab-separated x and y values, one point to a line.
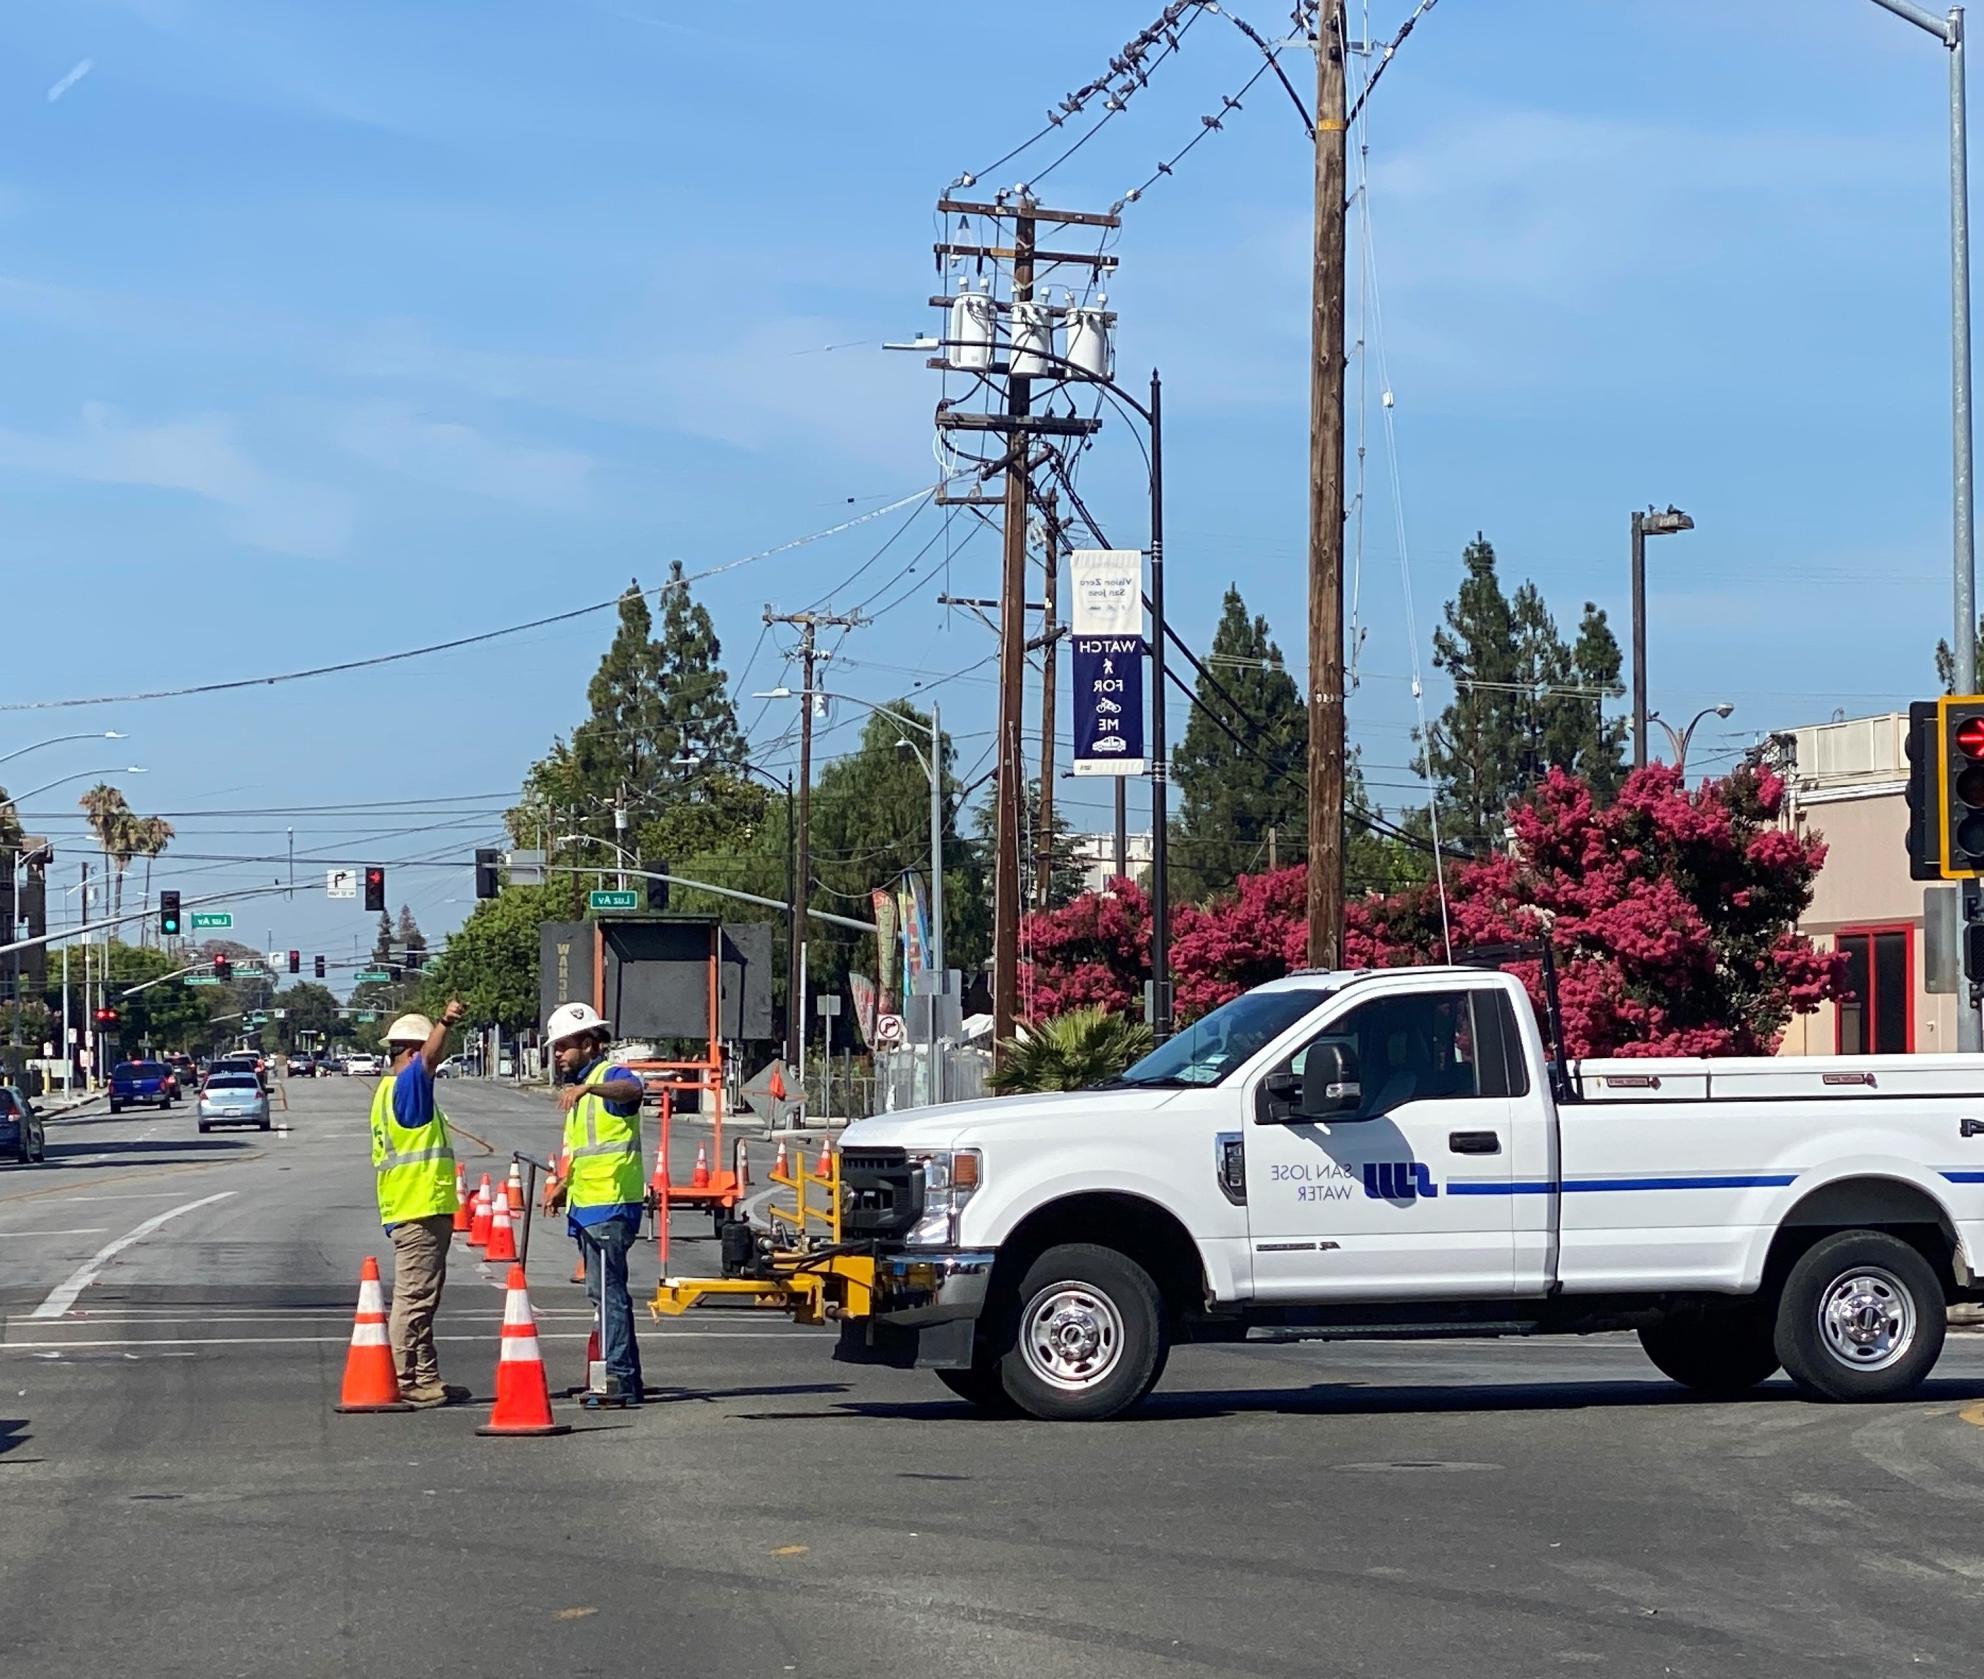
1338	1155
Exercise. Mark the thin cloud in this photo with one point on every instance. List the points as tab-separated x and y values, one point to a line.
81	68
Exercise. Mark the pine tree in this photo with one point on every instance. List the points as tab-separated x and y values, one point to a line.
382	944
1475	745
411	939
1946	660
1232	792
1600	750
1065	868
696	712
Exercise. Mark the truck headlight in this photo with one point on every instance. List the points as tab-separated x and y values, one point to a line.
950	1179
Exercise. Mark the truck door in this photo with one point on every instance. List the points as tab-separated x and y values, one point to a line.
1404	1193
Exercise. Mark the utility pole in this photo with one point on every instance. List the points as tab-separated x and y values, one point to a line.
1326	364
1012	674
1043	863
800	870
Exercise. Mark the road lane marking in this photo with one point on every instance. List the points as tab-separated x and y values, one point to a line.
16	1235
63	1296
1973	1414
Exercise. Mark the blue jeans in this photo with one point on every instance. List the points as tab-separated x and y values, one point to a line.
605	1250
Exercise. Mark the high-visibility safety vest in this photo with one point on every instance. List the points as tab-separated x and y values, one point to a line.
606	1154
415	1164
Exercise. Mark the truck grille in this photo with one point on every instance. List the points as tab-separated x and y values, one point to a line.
881	1193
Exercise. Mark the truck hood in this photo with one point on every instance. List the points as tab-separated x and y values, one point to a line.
960	1124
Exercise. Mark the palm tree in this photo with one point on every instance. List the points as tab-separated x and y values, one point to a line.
1072	1051
107	812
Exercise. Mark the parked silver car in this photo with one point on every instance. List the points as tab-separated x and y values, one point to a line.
233	1098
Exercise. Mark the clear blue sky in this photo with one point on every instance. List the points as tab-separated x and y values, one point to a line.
330	331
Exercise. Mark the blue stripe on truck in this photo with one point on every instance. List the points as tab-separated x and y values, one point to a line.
1738	1180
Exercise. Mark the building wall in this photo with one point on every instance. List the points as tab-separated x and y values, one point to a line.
1845	794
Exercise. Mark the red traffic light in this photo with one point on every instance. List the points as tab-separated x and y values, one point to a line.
1970	737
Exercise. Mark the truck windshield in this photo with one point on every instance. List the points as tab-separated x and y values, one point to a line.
1212	1046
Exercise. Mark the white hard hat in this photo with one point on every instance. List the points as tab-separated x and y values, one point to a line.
568	1020
409	1029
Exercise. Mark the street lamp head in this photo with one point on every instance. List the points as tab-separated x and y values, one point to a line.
1666	524
112	734
779	693
1724	709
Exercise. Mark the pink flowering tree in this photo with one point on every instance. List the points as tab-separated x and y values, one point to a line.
1672	913
1092	952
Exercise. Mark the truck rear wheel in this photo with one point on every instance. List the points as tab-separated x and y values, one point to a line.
1862	1317
1088	1336
1718	1351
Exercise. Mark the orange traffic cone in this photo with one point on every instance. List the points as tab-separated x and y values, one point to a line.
555	1182
478	1229
502	1235
776	1089
743	1168
513	1191
700	1178
659	1182
782	1167
464	1211
523	1396
370	1382
825	1168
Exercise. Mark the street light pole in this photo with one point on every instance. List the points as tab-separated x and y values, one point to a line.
1160	883
1645	525
1963	558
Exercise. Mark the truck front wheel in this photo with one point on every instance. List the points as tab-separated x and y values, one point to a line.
1720	1352
1862	1317
1089	1335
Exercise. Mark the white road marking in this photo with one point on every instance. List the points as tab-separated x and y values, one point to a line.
63	1296
143	1195
16	1235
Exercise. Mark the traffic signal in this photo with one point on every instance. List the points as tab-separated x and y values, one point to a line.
296	961
1973	952
106	1017
657	889
1960	786
486	883
1925	851
375	887
168	915
223	967
320	967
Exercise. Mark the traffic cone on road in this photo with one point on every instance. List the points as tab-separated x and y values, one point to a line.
513	1191
700	1178
464	1210
523	1395
502	1248
781	1166
478	1229
659	1182
743	1167
370	1382
825	1168
555	1182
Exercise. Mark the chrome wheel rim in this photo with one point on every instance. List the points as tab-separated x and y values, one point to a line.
1071	1337
1867	1319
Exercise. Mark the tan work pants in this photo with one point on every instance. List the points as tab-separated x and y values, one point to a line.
420	1267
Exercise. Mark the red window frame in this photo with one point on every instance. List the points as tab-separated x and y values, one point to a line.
1871	1002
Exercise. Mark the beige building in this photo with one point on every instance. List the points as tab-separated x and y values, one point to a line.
1849	788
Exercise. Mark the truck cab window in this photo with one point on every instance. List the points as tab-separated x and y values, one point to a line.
1428	1046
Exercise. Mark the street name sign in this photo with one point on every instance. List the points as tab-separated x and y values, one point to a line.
201	979
614	900
366	974
212	918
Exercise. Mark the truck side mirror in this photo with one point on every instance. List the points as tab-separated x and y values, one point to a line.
1330	1087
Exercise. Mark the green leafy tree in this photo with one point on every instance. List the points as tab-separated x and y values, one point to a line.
1946	660
1232	792
1524	702
173	1015
870	823
307	1008
491	961
1065	869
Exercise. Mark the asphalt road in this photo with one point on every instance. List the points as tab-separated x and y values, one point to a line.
177	1497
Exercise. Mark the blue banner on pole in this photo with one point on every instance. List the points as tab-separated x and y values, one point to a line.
1109	705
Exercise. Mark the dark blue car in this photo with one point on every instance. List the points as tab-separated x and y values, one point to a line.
133	1083
21	1134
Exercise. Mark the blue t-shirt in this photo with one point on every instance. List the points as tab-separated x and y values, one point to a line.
413	1094
580	1218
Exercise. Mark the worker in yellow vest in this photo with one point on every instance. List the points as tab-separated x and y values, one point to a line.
604	1192
413	1159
